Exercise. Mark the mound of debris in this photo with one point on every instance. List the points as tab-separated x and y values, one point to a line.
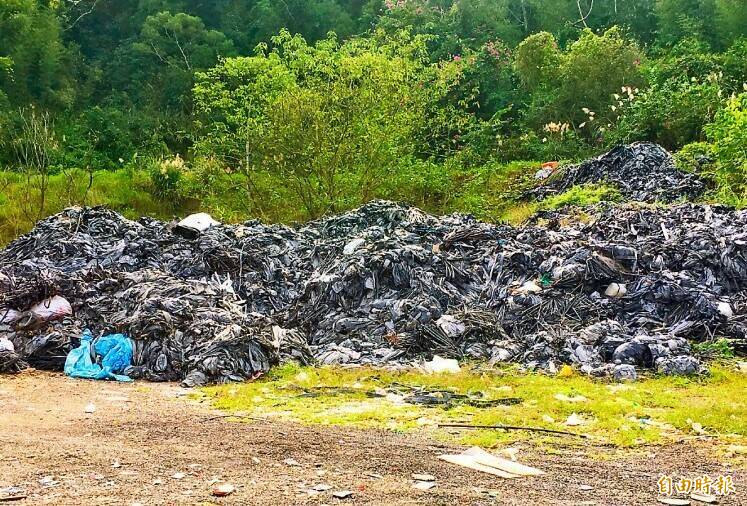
642	172
382	284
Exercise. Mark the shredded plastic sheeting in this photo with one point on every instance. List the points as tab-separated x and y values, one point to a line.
642	171
386	284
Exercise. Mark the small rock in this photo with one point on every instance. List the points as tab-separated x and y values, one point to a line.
706	498
616	290
48	481
513	453
291	462
624	372
725	309
697	428
424	485
574	420
322	487
223	490
585	488
179	476
90	408
423	477
342	494
673	501
441	365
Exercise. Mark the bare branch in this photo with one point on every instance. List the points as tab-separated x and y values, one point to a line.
86	13
581	13
186	60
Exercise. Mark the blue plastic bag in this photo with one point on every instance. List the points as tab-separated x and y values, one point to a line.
116	353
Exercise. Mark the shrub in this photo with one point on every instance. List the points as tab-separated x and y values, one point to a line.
165	176
672	114
728	135
537	60
696	157
326	123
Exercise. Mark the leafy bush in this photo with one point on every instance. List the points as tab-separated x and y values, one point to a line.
165	176
576	88
720	348
728	135
538	60
735	66
327	123
696	157
672	114
594	68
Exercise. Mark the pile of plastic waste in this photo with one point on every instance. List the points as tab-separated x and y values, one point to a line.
642	172
629	288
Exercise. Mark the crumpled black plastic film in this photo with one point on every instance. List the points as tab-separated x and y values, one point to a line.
629	287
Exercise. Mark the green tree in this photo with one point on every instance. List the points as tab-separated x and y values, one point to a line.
538	60
679	19
728	134
173	47
41	71
328	123
731	18
595	68
577	86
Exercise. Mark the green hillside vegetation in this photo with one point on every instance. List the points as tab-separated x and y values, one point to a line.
286	111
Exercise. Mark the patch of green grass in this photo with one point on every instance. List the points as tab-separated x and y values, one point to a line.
125	191
719	349
582	195
652	410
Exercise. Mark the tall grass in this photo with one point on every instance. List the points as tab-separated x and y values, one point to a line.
125	191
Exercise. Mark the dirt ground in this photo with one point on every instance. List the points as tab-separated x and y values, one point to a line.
148	444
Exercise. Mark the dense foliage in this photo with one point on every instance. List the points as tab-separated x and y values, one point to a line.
302	107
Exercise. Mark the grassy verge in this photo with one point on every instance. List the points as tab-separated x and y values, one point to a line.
651	411
125	191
